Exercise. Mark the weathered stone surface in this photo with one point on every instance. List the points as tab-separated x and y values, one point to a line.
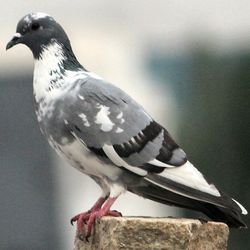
155	233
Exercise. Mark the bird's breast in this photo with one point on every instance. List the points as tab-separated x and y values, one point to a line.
80	157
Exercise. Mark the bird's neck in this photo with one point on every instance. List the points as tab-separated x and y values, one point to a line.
51	69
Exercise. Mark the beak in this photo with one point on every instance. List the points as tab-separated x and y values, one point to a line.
15	40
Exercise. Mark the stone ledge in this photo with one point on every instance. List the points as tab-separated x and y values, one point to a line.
155	233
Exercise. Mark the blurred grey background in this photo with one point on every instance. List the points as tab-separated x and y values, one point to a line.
187	62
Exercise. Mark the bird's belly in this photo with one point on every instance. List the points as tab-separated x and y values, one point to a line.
81	158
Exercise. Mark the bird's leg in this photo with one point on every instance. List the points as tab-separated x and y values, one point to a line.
83	217
104	211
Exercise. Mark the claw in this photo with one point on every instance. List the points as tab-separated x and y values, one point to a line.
87	238
88	218
202	220
74	219
91	222
72	222
115	213
83	217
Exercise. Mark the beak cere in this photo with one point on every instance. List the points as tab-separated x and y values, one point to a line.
15	40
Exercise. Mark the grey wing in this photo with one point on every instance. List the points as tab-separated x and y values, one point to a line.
114	126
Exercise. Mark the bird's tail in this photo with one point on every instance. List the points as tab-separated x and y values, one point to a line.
219	208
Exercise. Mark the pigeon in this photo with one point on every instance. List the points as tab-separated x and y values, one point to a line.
104	133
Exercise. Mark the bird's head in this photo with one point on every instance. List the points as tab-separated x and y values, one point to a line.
37	30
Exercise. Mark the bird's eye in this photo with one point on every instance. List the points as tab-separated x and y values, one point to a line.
35	26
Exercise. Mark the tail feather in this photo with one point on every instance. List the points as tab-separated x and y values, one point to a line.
231	217
222	209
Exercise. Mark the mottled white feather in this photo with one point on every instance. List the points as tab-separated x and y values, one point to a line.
103	119
90	164
84	119
119	116
47	69
119	130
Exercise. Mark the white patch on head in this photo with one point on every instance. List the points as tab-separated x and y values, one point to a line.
35	16
243	210
40	15
81	97
84	119
103	119
119	130
189	176
27	19
118	161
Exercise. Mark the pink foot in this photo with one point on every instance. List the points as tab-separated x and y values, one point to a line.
97	215
82	218
96	212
